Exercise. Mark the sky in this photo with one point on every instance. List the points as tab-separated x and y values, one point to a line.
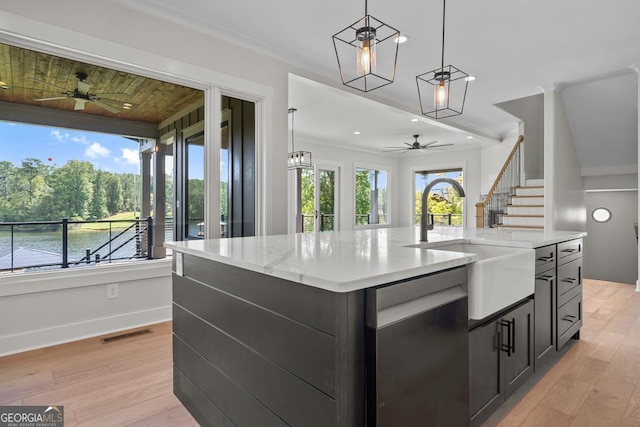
56	146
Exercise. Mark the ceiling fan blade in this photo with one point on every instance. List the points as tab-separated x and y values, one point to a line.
426	144
51	84
83	87
51	99
79	104
106	106
410	145
395	149
437	146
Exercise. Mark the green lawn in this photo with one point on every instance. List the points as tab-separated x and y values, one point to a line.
97	226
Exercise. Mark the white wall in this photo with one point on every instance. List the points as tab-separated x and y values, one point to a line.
347	159
530	110
44	309
492	159
565	206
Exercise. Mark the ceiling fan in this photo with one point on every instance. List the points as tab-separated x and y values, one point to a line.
417	146
82	95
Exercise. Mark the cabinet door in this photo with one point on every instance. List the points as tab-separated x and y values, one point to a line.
518	331
485	378
545	317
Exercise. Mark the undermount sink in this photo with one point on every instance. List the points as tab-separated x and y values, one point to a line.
500	277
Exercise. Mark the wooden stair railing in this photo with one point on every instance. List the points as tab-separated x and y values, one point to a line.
506	172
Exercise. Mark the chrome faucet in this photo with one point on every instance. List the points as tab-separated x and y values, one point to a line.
424	223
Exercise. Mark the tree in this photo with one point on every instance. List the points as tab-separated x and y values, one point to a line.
195	193
113	188
98	205
28	185
7	179
307	188
363	196
130	189
224	194
73	189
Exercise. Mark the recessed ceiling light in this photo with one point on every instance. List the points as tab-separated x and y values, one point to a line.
126	104
126	107
401	39
470	78
356	133
469	137
414	120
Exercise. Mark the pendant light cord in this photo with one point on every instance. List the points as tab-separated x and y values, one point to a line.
366	8
444	6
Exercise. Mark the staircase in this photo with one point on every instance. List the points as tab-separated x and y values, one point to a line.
508	204
526	209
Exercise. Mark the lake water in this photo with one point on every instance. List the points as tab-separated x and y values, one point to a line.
79	240
51	241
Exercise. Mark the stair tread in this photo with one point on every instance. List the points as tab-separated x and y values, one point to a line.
532	195
525	206
531	186
522	216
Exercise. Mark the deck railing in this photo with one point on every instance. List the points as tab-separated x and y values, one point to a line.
442	219
36	245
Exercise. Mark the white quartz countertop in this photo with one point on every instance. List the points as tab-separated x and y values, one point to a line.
346	261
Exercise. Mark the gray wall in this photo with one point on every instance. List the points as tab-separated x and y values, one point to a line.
611	250
531	111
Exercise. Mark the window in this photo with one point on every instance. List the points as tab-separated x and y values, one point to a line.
371	196
445	206
69	198
601	215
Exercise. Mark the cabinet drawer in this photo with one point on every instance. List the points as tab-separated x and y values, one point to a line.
545	258
568	251
569	320
569	276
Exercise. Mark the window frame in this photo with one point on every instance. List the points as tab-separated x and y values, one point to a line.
436	168
381	168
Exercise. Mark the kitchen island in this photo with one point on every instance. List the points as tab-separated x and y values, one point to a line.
293	329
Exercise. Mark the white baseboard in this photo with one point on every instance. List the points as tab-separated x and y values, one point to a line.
637	286
33	340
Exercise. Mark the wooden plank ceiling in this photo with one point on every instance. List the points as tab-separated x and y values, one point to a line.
27	75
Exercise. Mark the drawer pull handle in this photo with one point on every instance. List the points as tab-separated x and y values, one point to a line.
571	250
507	348
546	258
569	280
547	278
569	318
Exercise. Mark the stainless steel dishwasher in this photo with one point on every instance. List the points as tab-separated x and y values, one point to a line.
417	349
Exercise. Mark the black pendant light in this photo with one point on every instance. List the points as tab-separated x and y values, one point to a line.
367	53
297	159
442	91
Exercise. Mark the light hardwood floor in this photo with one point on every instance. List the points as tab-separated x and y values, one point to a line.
129	382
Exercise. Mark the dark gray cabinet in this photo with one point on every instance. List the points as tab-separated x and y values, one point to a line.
558	297
500	359
569	291
545	304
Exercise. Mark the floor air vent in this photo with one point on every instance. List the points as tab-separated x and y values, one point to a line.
125	336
